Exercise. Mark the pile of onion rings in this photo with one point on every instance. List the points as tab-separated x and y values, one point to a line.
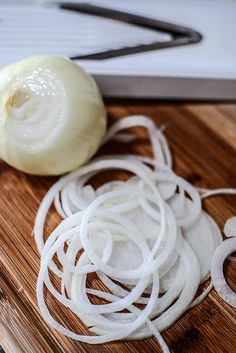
147	239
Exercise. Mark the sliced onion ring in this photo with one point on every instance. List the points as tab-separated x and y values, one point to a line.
222	251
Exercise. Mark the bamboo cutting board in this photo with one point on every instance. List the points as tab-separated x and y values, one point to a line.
203	140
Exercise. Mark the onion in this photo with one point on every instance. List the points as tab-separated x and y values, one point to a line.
223	250
230	227
52	118
147	239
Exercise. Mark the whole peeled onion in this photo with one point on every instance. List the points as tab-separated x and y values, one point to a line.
52	117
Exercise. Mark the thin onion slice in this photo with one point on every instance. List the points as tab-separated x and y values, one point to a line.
223	250
230	227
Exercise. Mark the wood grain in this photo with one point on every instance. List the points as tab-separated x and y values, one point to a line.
203	140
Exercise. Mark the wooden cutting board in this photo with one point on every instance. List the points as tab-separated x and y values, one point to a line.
203	140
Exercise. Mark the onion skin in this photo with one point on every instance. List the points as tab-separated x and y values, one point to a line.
52	117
